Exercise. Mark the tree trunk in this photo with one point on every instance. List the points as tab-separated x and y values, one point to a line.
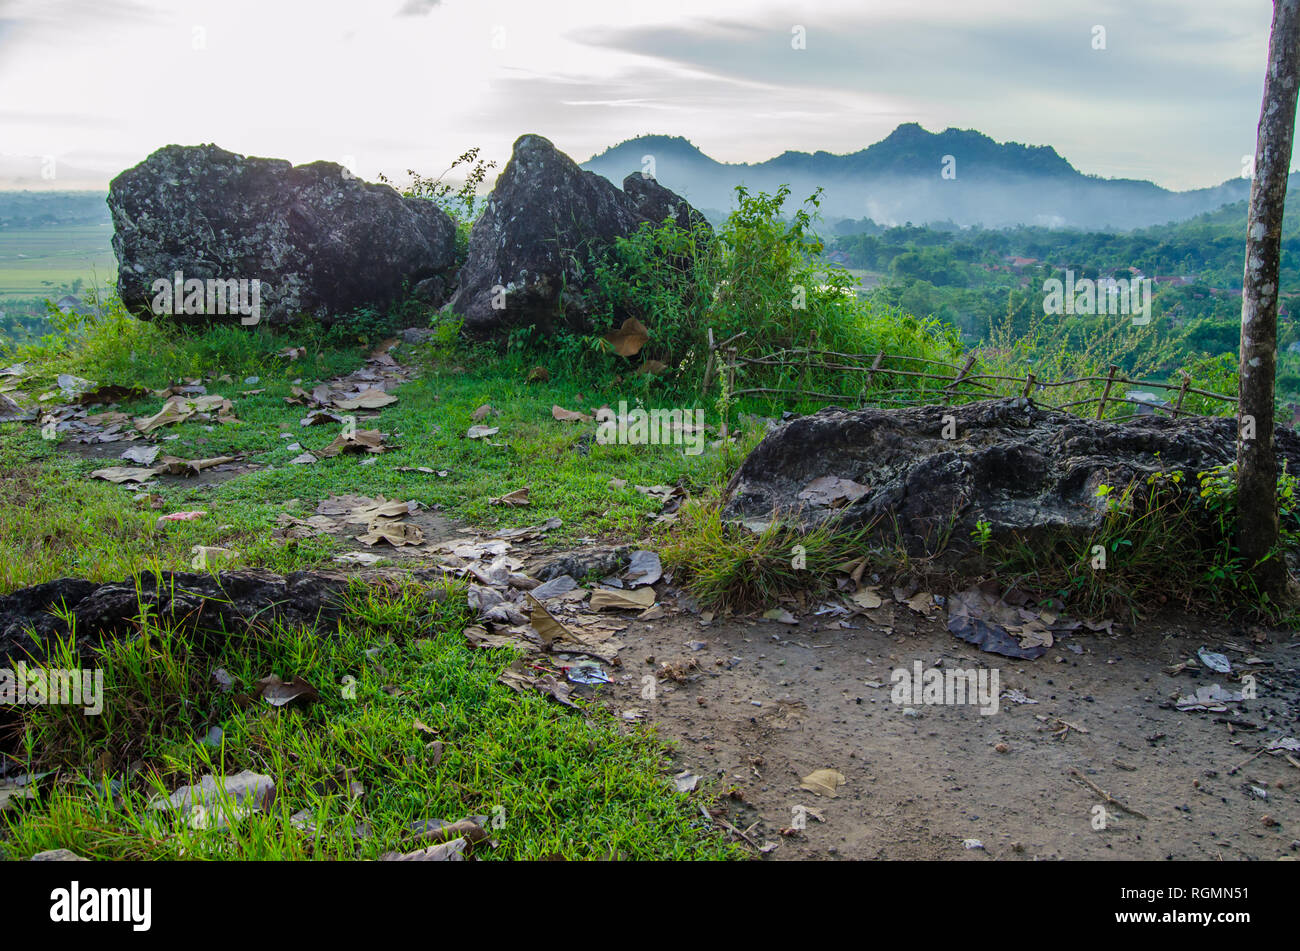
1256	462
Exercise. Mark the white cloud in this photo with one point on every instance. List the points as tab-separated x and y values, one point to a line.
412	83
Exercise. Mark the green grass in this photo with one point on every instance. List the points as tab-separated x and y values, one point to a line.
556	782
730	567
58	521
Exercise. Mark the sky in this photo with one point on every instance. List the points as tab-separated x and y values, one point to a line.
1166	90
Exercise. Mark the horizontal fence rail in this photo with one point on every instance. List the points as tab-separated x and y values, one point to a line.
962	383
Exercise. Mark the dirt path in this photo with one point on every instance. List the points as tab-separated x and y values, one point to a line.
771	703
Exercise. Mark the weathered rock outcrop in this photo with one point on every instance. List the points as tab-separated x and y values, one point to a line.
653	202
231	602
1023	469
320	241
530	251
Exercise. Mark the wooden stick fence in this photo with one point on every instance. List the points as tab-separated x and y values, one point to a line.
725	359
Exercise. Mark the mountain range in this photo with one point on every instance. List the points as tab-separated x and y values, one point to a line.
958	176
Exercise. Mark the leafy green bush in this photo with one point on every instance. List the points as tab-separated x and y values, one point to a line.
1166	537
760	277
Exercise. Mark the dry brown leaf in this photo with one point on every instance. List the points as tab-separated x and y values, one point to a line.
638	599
823	782
120	474
180	408
569	416
396	534
628	340
366	399
867	598
279	692
363	440
362	511
545	624
516	498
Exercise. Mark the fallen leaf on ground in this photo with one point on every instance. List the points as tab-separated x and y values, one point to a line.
452	851
366	399
177	409
545	624
363	511
638	599
823	782
396	534
318	416
663	492
516	498
867	598
214	801
141	455
120	474
363	440
278	692
569	416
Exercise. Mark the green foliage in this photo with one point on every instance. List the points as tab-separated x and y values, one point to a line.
728	566
759	276
406	709
1167	537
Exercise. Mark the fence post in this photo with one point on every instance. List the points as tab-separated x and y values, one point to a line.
956	381
1182	392
708	367
1105	394
1029	385
728	371
875	365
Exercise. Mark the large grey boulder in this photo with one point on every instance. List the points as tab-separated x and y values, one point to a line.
654	202
1026	471
531	251
320	241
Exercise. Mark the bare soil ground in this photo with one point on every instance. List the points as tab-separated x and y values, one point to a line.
770	703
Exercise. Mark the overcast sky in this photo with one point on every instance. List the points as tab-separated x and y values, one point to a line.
394	84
